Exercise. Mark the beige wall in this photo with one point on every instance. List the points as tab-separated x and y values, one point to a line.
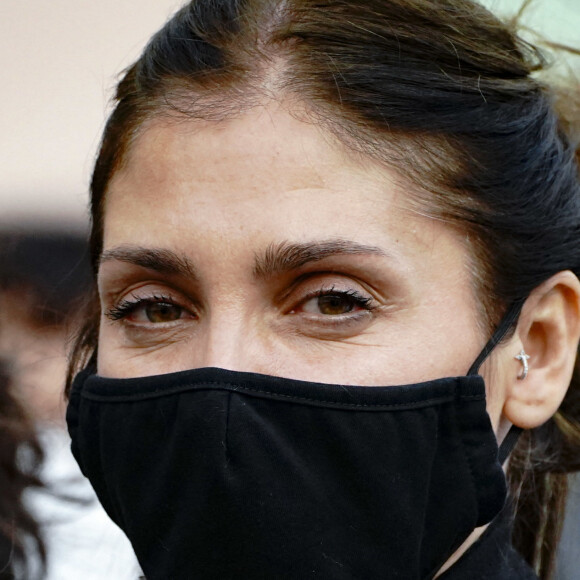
58	60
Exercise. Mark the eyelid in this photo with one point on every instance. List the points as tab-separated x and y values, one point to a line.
335	327
317	283
124	307
117	278
367	303
121	306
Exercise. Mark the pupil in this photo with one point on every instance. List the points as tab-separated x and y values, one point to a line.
334	305
162	312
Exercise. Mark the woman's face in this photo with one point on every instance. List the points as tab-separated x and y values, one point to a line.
258	244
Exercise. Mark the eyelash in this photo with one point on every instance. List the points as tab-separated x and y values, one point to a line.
126	307
364	302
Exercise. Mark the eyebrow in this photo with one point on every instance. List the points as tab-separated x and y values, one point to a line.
285	257
277	258
158	259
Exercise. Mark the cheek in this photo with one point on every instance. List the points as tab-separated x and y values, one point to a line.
115	360
109	357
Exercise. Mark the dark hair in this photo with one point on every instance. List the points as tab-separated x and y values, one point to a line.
47	271
439	89
20	459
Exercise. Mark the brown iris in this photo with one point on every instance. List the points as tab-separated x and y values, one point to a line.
159	312
335	304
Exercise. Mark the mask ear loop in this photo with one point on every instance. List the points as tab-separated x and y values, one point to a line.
507	322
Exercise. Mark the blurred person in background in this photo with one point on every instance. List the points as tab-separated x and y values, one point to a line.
22	551
43	280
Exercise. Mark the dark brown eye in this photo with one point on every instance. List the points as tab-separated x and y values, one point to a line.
153	310
335	304
159	312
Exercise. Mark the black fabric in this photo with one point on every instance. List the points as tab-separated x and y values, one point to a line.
509	442
492	557
215	474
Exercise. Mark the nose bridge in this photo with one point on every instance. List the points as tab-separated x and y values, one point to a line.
223	343
230	342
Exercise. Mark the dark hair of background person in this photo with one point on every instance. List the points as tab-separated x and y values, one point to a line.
442	91
20	460
44	275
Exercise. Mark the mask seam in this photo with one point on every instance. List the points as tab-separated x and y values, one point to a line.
469	465
423	538
233	388
227	430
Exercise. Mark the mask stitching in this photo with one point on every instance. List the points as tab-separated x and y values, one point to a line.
468	463
226	430
234	388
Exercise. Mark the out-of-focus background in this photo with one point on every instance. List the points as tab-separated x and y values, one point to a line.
59	61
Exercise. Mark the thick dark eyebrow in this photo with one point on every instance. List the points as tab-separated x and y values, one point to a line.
158	259
284	257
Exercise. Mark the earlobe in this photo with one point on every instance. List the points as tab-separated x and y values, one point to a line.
548	331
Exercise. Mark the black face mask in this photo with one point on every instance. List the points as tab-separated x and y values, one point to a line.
215	474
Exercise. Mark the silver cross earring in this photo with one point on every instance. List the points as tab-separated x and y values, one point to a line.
523	358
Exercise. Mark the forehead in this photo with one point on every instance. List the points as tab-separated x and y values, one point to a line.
267	145
263	178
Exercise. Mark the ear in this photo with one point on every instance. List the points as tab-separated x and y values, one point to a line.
548	330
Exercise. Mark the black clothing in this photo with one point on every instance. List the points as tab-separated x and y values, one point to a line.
492	557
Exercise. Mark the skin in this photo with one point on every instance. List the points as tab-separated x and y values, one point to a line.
184	280
220	195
